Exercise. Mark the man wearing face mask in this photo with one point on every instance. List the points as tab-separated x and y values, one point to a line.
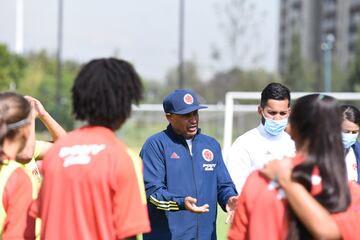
267	141
350	131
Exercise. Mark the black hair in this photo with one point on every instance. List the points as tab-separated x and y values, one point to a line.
14	110
275	91
351	113
316	122
104	90
3	129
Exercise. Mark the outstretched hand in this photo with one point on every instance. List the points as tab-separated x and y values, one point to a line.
230	208
190	204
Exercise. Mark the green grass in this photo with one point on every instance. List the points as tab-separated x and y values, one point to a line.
221	227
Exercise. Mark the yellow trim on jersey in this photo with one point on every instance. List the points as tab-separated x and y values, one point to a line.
163	202
137	163
164	205
168	209
37	150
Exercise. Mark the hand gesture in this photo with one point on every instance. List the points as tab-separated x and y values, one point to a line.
190	204
230	208
36	105
278	169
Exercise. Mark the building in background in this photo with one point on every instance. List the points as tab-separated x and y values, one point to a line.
312	21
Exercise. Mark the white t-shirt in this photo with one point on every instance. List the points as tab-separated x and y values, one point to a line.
189	143
253	149
351	165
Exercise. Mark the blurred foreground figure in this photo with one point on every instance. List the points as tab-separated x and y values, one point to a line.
18	186
93	185
36	149
309	196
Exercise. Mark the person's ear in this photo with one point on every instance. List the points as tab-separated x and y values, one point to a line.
260	111
168	116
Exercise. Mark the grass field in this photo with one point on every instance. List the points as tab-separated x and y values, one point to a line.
221	227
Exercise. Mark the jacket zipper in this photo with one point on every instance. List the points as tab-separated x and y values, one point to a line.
196	192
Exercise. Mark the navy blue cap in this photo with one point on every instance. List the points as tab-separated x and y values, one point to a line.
181	101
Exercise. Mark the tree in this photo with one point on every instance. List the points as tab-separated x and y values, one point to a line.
239	22
11	68
191	76
236	80
354	76
39	81
340	78
154	90
294	73
300	75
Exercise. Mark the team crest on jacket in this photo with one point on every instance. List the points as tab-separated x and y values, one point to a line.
207	155
188	99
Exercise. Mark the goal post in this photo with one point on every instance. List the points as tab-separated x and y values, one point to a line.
230	106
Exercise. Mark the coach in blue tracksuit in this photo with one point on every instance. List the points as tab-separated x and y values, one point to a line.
185	176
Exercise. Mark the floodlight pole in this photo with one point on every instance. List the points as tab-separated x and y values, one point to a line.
327	47
59	59
19	27
181	43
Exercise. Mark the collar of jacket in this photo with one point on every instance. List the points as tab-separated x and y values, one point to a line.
174	135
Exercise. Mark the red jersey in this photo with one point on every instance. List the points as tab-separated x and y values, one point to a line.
17	199
92	188
349	221
260	212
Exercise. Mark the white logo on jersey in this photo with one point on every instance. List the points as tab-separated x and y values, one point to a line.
79	154
209	167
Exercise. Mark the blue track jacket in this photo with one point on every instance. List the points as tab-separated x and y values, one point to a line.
171	174
356	148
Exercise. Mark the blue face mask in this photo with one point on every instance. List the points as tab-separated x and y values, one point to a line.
275	127
349	139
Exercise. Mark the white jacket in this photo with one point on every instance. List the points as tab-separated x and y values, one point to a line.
253	149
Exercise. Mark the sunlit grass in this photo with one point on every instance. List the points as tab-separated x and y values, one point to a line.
221	227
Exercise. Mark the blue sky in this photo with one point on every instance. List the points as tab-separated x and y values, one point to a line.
144	32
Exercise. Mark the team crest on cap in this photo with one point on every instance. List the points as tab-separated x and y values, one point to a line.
207	155
188	99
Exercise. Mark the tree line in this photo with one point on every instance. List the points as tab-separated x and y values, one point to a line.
35	74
